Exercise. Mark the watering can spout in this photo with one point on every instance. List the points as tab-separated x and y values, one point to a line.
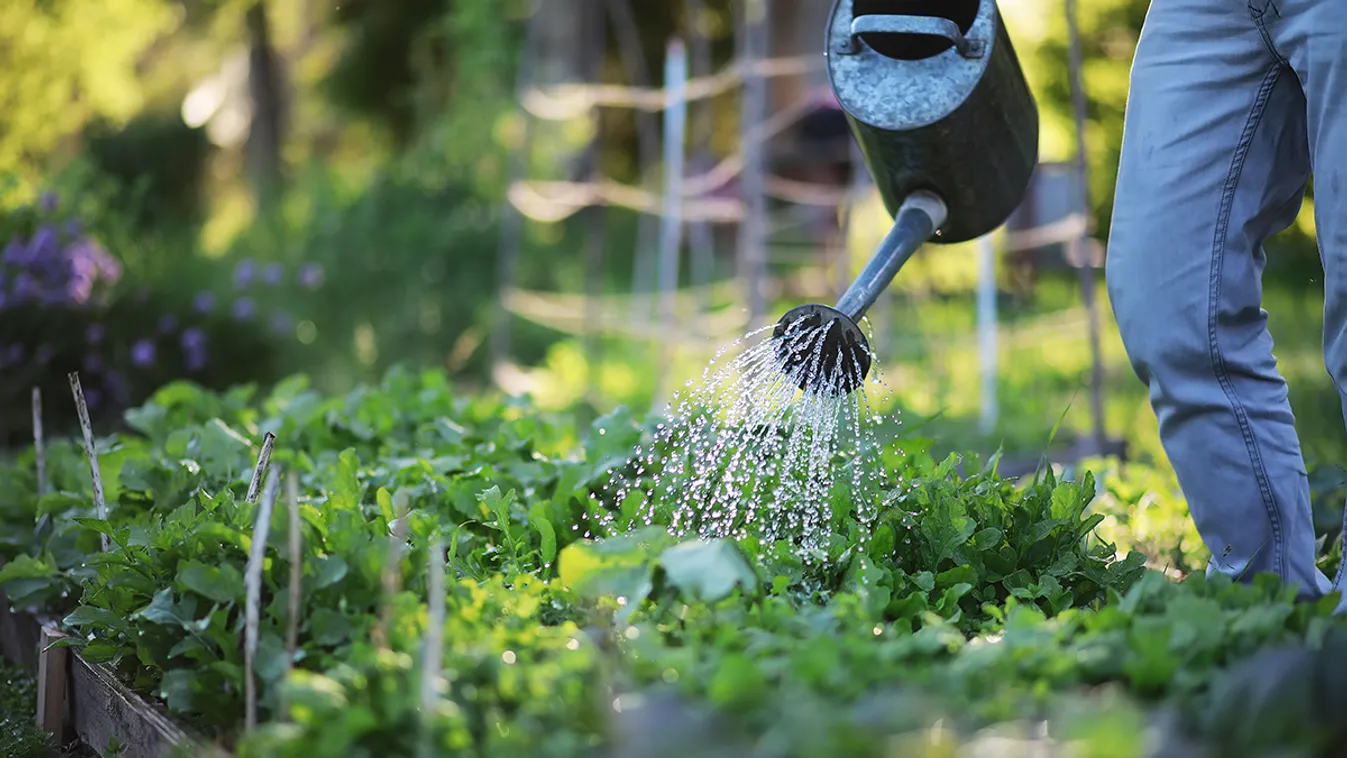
822	348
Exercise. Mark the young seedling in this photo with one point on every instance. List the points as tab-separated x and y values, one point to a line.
253	582
86	426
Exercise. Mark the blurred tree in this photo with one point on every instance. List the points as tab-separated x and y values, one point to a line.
375	77
158	163
63	64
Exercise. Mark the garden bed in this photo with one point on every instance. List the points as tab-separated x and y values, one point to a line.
410	572
79	700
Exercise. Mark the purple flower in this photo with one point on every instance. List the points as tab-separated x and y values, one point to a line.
142	354
94	334
26	287
14	252
204	302
273	273
244	308
44	243
48	202
193	338
167	324
193	342
73	227
243	273
311	276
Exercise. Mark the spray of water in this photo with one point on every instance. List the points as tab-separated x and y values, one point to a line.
746	451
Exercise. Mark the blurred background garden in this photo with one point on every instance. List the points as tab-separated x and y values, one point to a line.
234	191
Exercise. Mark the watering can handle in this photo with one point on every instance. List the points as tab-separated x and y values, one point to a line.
932	26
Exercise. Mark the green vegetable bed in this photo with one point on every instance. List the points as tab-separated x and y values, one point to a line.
979	614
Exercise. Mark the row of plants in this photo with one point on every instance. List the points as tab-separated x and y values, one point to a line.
978	609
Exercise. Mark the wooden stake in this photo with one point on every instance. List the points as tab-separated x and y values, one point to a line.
392	567
38	448
263	462
296	575
52	675
253	582
434	642
86	426
40	453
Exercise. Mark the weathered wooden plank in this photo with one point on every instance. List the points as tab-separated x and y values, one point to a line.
105	711
53	677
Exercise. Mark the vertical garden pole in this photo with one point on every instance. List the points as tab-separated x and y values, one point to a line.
671	231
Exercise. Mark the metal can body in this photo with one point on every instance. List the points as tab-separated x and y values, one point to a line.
958	121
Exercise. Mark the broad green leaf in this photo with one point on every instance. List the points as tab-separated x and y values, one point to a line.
221	584
331	569
707	570
346	492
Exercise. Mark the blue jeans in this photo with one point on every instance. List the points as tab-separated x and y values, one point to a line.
1231	104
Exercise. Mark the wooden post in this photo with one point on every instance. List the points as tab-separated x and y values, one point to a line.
90	450
671	233
987	328
595	48
53	675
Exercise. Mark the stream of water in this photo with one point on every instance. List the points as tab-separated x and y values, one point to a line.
746	451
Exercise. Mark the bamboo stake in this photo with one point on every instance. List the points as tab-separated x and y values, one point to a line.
38	448
296	575
87	427
263	461
253	582
434	643
40	453
392	567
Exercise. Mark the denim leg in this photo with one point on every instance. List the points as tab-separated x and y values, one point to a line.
1214	161
1311	35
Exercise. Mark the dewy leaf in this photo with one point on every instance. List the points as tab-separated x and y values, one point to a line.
707	570
222	584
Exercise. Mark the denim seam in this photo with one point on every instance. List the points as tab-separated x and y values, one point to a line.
1213	311
1267	41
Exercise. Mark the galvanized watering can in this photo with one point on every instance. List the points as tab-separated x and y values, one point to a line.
948	128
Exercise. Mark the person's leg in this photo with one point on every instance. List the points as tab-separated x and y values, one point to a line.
1214	161
1312	37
